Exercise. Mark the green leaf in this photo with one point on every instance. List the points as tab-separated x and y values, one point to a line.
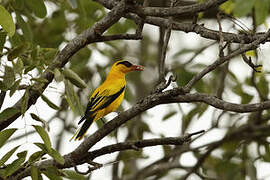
74	78
57	75
251	170
57	156
45	124
41	80
52	173
9	76
3	36
52	152
243	7
36	156
73	99
6	21
227	7
263	84
245	97
168	115
18	4
15	165
18	66
5	134
24	104
7	156
69	174
261	11
38	7
35	173
14	87
8	113
47	54
73	3
49	103
17	51
25	27
42	147
45	137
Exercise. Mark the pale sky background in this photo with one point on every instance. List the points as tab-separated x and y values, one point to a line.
170	127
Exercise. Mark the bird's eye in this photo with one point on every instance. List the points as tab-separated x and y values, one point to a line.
126	63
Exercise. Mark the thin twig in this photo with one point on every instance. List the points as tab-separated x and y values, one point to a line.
249	62
221	38
167	36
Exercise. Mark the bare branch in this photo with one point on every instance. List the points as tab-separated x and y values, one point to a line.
189	27
249	62
161	12
221	60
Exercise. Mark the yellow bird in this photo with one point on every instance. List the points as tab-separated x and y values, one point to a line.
107	97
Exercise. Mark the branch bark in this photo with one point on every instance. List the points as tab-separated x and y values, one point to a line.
164	11
91	35
170	96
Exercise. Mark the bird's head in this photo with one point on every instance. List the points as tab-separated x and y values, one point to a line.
125	67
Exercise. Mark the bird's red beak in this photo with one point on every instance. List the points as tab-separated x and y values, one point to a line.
137	68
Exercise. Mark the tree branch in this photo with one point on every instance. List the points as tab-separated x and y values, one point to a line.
190	27
170	96
179	10
91	35
221	60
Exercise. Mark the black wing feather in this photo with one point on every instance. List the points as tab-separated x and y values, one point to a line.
94	101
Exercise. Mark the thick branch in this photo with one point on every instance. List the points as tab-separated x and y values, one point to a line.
189	27
169	96
138	144
163	11
91	35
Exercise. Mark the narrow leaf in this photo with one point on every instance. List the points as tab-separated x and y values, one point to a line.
45	124
168	115
3	36
261	11
8	113
42	147
18	66
34	173
73	99
14	87
17	51
243	7
69	174
15	165
24	104
5	134
25	27
7	156
57	156
45	137
36	156
6	21
74	78
9	76
57	75
38	7
49	103
53	173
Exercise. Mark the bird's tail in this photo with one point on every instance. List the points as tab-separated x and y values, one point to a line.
80	133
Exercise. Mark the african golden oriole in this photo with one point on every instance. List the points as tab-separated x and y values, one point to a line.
107	97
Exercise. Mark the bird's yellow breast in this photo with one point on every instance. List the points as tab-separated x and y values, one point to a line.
112	86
